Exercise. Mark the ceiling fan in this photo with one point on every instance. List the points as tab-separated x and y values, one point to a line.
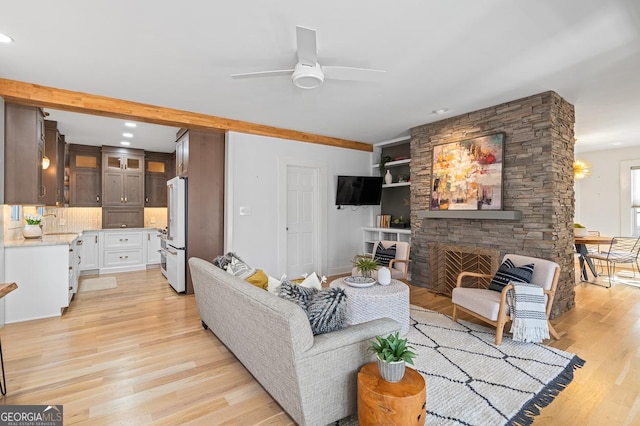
308	73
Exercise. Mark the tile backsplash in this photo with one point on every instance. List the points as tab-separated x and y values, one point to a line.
73	219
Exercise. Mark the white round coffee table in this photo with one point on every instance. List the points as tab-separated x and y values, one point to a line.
377	301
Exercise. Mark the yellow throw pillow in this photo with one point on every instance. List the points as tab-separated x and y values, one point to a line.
259	279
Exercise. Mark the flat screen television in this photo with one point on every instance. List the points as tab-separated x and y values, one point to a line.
359	190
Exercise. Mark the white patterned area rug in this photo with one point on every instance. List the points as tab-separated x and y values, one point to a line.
101	283
471	381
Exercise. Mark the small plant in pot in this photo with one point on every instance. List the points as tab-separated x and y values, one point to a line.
580	230
366	265
393	354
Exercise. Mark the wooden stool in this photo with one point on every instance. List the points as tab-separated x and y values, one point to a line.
384	403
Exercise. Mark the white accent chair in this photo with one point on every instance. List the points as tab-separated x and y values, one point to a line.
491	306
399	266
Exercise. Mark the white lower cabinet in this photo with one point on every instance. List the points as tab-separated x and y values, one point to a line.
151	243
44	275
121	251
89	250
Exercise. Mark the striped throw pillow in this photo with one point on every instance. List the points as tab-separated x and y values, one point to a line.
510	272
385	255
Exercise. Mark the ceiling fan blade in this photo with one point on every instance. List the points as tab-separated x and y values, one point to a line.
350	73
307	48
258	74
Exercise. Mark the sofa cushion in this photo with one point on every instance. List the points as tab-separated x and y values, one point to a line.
309	281
240	269
327	310
223	260
297	294
259	279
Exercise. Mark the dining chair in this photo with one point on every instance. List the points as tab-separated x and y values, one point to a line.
622	250
595	248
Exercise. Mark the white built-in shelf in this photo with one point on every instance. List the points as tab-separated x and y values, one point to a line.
470	214
394	163
393	185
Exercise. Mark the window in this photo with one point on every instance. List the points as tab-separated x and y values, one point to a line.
635	200
16	213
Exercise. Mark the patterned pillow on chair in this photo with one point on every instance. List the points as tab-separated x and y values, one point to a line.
510	272
385	255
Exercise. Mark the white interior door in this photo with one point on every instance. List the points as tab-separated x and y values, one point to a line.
302	220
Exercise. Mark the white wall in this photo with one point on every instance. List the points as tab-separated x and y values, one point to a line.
603	197
2	218
252	179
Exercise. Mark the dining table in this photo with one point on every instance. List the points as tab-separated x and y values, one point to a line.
581	247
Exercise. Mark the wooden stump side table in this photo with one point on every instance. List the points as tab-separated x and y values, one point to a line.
384	403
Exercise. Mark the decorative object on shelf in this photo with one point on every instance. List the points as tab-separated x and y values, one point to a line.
366	265
388	178
398	222
393	354
467	175
580	230
32	229
581	169
384	276
383	220
383	161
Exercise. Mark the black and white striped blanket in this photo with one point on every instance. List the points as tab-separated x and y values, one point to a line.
527	307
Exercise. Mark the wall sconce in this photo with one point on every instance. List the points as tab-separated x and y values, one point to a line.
45	162
581	169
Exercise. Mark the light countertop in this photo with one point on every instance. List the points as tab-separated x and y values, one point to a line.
60	238
45	240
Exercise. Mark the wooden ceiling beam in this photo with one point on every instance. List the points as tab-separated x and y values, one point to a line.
67	100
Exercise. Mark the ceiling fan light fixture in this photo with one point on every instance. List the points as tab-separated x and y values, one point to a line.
5	39
307	77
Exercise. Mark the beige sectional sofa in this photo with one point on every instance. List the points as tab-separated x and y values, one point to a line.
312	377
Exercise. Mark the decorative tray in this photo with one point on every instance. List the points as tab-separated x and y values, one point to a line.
359	281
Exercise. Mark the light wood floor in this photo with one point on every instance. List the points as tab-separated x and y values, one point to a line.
137	354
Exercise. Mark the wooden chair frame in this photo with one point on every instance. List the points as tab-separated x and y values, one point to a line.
503	317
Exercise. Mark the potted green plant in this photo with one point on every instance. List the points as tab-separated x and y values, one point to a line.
393	354
580	230
366	265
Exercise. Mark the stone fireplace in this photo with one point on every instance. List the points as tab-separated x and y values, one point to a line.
448	260
537	189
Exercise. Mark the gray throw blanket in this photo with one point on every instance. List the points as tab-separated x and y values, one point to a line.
527	306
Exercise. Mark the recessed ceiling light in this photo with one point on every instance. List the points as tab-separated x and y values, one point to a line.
125	143
130	124
127	135
440	111
616	143
5	38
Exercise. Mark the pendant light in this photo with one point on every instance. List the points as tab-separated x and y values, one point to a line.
45	159
581	169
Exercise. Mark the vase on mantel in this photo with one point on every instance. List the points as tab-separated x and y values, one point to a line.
32	231
388	178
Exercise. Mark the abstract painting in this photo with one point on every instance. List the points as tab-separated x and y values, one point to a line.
467	175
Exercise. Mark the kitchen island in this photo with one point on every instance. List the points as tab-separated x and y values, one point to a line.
47	269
